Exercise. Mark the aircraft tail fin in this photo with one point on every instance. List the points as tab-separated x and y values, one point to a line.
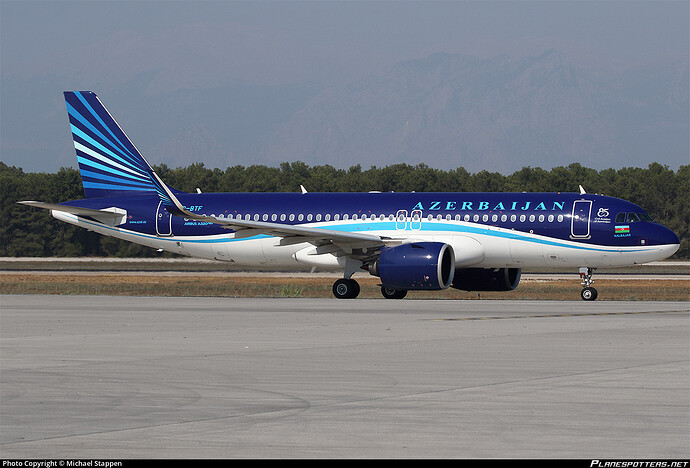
109	163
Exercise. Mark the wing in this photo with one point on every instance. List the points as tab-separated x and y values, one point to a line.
361	246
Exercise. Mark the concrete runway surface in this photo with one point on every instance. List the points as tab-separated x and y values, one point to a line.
118	377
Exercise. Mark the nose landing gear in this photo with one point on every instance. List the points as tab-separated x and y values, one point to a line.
588	293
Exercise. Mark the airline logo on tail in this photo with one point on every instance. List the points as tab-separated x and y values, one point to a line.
109	162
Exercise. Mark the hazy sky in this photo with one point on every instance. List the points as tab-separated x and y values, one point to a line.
61	45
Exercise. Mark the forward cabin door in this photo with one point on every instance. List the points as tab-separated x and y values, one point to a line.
579	227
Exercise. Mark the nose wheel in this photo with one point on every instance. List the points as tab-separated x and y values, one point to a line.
588	293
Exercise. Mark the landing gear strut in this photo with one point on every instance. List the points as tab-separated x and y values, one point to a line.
588	293
346	288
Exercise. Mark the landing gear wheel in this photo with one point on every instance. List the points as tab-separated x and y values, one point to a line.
346	288
390	293
588	294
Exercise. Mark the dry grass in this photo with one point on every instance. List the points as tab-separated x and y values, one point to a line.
256	285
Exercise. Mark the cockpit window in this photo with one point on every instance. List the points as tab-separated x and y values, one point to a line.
633	218
645	217
620	217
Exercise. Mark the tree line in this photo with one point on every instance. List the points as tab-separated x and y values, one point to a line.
31	232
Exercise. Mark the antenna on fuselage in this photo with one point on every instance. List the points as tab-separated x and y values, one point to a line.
582	191
303	189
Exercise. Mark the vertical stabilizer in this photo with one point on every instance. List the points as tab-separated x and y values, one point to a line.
109	162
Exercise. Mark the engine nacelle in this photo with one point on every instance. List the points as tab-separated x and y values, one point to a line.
416	266
487	279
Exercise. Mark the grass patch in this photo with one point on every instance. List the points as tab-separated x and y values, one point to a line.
320	287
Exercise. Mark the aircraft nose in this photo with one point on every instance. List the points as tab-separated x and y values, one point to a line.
664	236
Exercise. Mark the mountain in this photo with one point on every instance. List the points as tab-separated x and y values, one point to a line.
498	114
446	110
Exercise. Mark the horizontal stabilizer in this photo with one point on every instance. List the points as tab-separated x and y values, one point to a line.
111	216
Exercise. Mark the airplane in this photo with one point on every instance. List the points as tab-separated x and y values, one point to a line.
410	241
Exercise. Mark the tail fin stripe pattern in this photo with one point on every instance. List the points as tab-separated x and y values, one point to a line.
96	175
109	163
94	154
98	172
103	125
97	146
99	134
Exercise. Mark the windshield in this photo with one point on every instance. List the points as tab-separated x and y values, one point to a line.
631	217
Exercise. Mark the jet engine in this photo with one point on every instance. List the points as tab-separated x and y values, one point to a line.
487	279
415	266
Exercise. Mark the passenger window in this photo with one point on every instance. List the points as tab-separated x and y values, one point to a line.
620	217
633	218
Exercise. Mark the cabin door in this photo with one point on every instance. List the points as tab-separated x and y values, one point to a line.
579	227
163	221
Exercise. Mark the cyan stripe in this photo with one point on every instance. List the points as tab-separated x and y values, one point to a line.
350	227
93	164
103	177
74	113
96	185
95	114
113	165
78	132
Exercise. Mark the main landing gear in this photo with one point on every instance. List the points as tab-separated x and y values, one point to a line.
389	293
346	288
588	293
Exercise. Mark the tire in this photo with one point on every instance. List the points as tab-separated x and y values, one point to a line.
345	289
589	294
389	293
